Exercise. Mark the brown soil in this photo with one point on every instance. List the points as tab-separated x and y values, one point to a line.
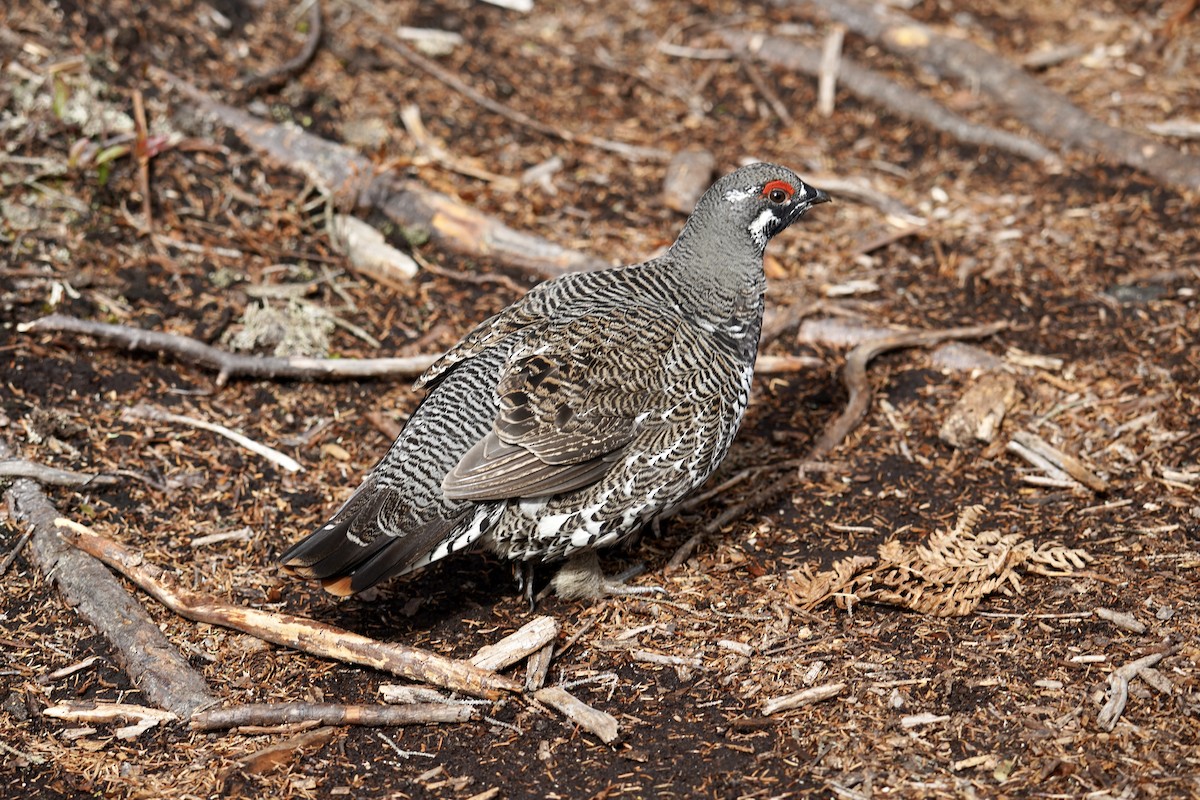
1091	264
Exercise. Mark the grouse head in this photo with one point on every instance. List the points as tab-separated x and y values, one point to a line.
749	206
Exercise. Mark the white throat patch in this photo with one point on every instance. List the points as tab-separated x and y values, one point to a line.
758	228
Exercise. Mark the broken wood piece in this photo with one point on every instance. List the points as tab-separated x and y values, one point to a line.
1123	620
143	652
918	720
962	357
289	630
142	718
1068	464
1054	476
840	332
67	671
329	714
538	667
689	174
22	468
369	252
143	411
979	412
231	365
804	697
776	365
599	723
529	638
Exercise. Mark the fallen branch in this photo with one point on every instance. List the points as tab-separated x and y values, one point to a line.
288	630
237	365
1041	108
328	714
21	468
875	88
343	172
152	663
232	365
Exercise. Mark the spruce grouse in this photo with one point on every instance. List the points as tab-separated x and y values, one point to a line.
587	408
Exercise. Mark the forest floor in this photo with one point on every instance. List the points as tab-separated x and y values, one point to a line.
1094	267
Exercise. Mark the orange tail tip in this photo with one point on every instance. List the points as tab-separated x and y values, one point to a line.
339	588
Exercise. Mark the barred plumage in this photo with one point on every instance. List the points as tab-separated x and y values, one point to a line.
577	414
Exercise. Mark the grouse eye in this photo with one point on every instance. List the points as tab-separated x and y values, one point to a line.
778	192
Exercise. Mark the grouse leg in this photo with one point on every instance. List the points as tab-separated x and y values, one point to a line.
581	577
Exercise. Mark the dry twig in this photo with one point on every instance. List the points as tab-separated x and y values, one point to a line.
329	714
803	697
232	365
526	640
294	65
854	375
150	413
141	718
298	633
630	151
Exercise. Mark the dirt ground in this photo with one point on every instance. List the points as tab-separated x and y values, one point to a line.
1094	266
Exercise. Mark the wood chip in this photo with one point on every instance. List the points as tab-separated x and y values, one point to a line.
979	412
1122	620
917	720
529	638
804	697
593	720
399	693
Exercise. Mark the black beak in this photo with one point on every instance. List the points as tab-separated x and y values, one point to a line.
812	196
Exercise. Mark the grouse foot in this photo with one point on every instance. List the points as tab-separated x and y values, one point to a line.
581	578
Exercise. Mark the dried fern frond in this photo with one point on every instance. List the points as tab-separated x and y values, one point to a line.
948	575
